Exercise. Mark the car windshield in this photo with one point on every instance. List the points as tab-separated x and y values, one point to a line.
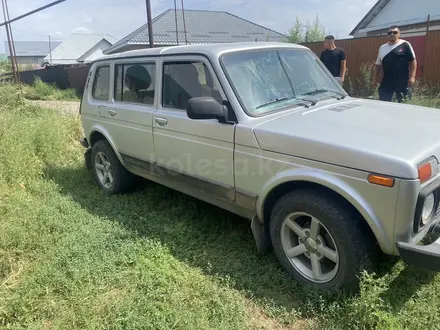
271	79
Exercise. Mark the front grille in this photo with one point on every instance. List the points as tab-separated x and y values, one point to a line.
437	211
437	201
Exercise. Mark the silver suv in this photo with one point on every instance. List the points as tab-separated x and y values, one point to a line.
263	130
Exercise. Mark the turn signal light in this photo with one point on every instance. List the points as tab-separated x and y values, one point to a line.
381	180
425	172
428	169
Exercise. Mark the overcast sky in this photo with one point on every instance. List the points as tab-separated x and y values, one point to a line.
120	17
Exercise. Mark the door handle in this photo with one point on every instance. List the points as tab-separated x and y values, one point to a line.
161	121
112	112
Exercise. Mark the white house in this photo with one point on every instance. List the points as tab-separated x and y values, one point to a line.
79	48
31	52
411	16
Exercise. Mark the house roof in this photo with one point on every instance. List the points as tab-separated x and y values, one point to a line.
398	12
202	26
75	46
31	48
372	13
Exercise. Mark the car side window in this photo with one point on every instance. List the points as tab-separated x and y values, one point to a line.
101	84
135	83
185	80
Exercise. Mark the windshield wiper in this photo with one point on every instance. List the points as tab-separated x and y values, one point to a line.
274	101
313	102
319	91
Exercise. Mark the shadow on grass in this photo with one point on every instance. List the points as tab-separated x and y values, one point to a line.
211	239
406	285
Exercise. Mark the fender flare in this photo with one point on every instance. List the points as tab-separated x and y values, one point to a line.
332	182
105	133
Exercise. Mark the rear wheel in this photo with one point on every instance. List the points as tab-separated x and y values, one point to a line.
320	241
109	173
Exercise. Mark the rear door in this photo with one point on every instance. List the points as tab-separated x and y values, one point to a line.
128	115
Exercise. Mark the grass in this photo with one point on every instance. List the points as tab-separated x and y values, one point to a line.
73	258
48	92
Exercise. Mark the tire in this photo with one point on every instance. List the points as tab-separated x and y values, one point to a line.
123	180
342	233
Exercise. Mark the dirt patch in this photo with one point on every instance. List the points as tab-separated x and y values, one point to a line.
64	107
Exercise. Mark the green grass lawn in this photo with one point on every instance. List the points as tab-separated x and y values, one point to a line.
73	258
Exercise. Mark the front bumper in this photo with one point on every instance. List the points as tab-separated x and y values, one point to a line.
84	142
422	256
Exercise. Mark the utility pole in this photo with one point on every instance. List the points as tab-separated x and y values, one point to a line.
184	23
175	16
32	12
12	41
10	44
50	51
150	24
7	24
428	23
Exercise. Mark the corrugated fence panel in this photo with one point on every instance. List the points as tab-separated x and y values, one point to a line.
432	63
77	77
361	51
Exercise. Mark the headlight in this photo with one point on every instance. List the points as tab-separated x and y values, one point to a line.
428	209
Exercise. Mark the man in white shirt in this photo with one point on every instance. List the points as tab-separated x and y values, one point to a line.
397	61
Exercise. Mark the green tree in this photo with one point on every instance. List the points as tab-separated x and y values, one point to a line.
296	32
308	32
315	31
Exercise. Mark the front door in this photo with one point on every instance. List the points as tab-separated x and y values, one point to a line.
199	152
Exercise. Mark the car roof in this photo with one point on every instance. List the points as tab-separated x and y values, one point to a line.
212	50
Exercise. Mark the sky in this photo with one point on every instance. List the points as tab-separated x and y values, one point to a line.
121	17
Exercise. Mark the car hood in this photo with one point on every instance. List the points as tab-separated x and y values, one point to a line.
381	137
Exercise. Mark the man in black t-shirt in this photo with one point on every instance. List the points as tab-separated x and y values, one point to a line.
334	58
397	61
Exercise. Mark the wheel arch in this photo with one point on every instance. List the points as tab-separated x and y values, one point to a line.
98	133
327	184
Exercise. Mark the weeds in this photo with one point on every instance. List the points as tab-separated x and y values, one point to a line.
43	91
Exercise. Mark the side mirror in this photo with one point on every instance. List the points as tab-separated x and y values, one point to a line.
205	107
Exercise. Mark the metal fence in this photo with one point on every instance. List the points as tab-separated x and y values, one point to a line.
362	51
359	52
61	76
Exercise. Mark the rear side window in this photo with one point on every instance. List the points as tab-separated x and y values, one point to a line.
101	84
135	83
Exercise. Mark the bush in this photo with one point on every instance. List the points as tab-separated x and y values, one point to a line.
5	66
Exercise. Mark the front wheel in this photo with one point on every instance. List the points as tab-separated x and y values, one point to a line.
109	173
321	241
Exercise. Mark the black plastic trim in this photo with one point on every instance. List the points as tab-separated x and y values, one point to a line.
84	142
88	158
422	256
421	200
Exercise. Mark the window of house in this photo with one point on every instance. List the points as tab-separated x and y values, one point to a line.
135	83
185	80
101	84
